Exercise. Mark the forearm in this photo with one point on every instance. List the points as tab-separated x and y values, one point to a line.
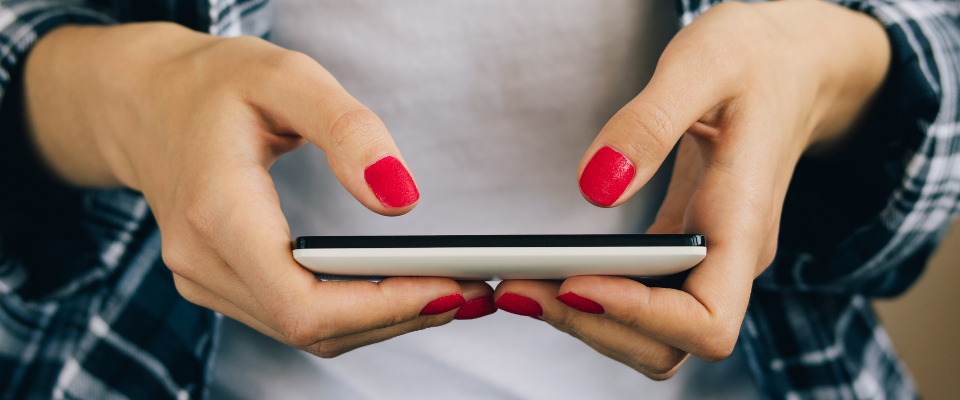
80	83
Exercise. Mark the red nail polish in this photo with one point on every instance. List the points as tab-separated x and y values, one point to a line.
521	305
391	182
580	303
476	308
606	176
443	304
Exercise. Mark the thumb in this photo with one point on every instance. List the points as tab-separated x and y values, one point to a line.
633	144
308	101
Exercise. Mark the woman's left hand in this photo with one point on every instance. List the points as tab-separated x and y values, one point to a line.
748	88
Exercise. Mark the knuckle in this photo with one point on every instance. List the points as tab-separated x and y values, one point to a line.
634	320
767	257
656	358
300	333
271	66
279	63
288	61
717	346
223	57
187	291
397	302
662	376
201	214
716	353
651	127
358	128
181	259
399	316
298	337
331	348
328	354
565	322
768	252
662	364
175	257
431	322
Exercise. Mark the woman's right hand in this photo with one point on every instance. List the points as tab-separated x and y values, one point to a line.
194	122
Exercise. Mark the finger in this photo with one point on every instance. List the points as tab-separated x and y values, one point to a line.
192	263
334	347
251	235
703	319
626	356
472	291
735	206
633	144
612	339
235	299
328	348
200	296
303	98
683	182
654	376
479	300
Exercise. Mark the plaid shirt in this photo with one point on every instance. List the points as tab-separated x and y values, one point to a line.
88	310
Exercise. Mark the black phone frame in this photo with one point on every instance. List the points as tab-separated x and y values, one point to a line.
461	241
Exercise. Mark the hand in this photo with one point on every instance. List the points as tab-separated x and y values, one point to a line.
748	88
194	122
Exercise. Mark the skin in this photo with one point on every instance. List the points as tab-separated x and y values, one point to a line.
745	89
194	122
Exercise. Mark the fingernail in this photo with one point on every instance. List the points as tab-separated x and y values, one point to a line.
606	176
391	182
520	305
443	304
580	303
476	308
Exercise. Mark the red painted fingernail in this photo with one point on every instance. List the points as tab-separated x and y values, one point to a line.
521	305
606	176
443	304
476	308
391	182
580	303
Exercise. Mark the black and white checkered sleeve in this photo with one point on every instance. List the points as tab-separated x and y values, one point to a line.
919	128
87	308
22	23
867	225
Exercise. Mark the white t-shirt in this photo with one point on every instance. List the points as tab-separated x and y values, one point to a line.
493	104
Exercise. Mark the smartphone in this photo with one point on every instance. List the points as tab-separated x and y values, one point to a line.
496	257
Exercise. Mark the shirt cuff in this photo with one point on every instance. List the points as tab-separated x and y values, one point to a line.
22	23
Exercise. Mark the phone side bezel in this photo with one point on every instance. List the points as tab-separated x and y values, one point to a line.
466	241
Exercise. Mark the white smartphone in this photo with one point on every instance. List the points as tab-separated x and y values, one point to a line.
496	257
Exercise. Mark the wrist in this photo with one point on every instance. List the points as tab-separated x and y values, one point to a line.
849	54
57	125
